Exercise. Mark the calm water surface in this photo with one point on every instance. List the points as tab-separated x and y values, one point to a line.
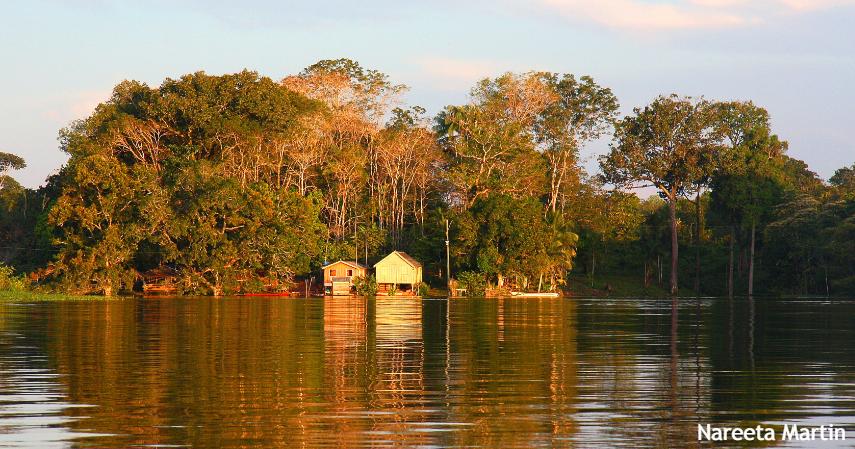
270	373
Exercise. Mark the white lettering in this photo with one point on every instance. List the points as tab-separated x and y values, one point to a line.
770	434
792	432
760	433
703	433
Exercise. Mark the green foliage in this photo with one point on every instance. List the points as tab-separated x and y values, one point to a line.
510	237
10	282
24	243
6	274
239	181
474	282
9	161
371	238
811	245
41	296
670	144
99	221
423	290
748	180
365	286
844	180
156	178
491	143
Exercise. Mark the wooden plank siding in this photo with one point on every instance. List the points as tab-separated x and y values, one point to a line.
398	268
338	276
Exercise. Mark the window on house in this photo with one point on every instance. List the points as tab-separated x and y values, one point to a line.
332	272
350	272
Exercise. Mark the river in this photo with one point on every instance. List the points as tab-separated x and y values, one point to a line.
393	372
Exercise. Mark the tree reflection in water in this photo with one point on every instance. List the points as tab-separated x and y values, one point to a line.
394	372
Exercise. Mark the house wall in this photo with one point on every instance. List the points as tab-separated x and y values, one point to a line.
341	270
394	270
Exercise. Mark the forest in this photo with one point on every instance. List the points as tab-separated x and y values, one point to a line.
239	182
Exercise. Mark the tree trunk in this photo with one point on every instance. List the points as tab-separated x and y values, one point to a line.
646	275
593	265
672	213
751	260
698	243
730	262
448	262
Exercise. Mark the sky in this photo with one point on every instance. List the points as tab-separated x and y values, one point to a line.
796	58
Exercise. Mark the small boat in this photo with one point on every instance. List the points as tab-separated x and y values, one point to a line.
266	294
535	295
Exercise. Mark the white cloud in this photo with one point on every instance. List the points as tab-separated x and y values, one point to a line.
75	105
813	5
451	73
645	15
721	3
635	14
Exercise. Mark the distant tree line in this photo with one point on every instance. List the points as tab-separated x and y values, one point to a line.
238	180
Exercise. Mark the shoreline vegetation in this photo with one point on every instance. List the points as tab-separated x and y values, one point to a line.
240	183
578	287
34	296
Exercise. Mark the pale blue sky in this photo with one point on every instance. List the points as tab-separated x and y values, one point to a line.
794	57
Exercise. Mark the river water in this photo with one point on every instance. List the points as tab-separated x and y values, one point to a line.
271	373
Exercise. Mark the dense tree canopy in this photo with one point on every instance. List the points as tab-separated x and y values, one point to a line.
241	183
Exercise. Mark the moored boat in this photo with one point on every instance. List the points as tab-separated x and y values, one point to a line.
535	295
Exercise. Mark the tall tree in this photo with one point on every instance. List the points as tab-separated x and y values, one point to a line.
844	180
668	144
358	100
581	112
404	155
490	142
8	162
744	182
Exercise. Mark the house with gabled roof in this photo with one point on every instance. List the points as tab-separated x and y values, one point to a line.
339	275
398	271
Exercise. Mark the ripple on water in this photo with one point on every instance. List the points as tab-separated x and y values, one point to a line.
271	373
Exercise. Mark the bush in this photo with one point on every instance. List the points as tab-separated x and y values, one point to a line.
365	286
423	290
8	280
474	283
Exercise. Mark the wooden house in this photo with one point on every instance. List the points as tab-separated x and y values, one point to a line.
160	281
398	271
338	276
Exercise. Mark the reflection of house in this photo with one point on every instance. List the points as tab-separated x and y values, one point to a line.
398	271
338	276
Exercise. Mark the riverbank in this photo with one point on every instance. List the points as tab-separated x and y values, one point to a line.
609	286
614	286
28	296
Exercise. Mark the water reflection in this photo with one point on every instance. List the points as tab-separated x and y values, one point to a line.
33	409
394	372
